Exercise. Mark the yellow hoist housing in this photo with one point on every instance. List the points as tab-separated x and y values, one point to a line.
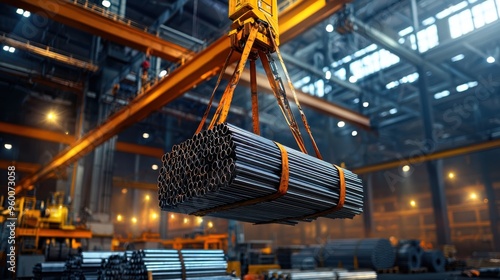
264	10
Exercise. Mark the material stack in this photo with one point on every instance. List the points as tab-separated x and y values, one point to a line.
372	253
230	173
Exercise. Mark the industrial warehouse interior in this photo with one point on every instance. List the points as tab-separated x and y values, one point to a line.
250	139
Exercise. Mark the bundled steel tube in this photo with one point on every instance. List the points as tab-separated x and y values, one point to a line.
359	253
52	270
434	260
231	173
336	274
408	257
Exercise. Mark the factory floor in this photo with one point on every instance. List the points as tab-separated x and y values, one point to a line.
429	276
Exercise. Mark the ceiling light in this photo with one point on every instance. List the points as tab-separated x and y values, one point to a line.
366	104
401	40
406	168
145	135
147	197
405	31
462	87
457	57
473	195
106	3
441	94
154	167
393	111
154	216
26	14
124	191
20	11
413	203
6	48
354	133
7	146
356	100
341	124
328	75
210	224
490	59
329	28
51	116
134	220
353	79
12	49
119	218
451	175
163	73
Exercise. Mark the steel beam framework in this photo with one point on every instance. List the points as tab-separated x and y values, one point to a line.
202	66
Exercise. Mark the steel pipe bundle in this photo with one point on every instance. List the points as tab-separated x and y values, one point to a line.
49	270
306	259
87	264
336	274
359	253
173	264
408	257
434	260
231	173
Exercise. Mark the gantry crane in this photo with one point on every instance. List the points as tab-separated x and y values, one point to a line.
254	33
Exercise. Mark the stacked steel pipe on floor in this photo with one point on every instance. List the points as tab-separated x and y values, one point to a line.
49	270
231	173
434	260
359	253
409	255
336	274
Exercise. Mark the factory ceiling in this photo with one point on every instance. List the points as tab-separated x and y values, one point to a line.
370	59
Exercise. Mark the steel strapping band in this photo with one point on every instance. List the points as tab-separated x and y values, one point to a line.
282	189
339	205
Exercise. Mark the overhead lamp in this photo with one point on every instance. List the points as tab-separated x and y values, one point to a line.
19	11
147	197
119	218
124	191
154	216
26	14
473	196
134	220
154	167
106	3
51	116
6	48
354	133
7	146
353	79
145	135
451	175
366	104
341	124
393	111
329	28
413	203
12	49
490	59
210	224
328	75
406	168
163	73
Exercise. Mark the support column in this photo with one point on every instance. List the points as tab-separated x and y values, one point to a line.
492	203
368	206
434	168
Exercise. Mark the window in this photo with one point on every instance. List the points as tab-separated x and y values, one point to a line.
461	24
372	63
341	73
484	13
427	38
498	7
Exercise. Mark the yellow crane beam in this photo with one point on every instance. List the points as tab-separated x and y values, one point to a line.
52	136
99	21
419	158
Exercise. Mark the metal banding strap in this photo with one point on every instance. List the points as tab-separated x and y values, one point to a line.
339	205
282	189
